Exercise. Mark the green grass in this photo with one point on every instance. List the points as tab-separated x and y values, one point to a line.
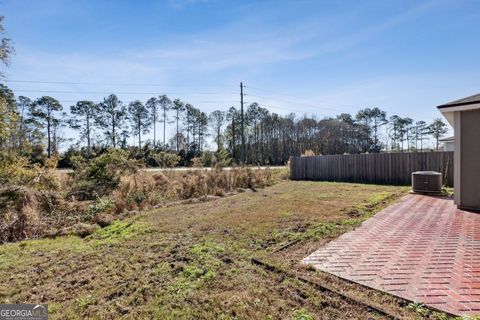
118	231
193	260
21	254
301	314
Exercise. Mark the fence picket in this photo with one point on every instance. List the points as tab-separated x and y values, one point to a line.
387	168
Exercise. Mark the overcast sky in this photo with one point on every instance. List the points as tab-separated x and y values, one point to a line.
308	57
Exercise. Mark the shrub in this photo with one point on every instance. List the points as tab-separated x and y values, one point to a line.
28	213
100	205
136	191
166	159
197	162
47	177
222	159
207	158
101	175
284	173
18	211
16	170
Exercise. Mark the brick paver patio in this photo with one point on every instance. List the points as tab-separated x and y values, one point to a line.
422	249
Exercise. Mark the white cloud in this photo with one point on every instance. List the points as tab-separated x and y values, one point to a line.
245	43
244	49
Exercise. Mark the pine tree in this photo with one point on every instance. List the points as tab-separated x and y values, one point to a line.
140	119
152	106
83	120
111	118
437	129
45	110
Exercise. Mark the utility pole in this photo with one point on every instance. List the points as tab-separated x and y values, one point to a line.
242	123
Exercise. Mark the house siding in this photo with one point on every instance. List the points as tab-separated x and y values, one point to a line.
468	147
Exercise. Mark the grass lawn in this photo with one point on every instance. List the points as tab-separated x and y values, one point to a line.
194	260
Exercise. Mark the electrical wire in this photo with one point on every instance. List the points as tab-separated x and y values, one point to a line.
109	92
295	102
287	109
314	106
105	83
200	101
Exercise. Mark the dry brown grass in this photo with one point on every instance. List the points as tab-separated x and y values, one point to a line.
19	213
195	262
27	213
143	190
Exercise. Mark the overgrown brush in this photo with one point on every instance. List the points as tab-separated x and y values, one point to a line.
28	192
17	171
38	201
101	175
166	159
18	212
30	213
135	192
142	190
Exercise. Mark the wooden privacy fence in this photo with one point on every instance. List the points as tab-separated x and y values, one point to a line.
383	168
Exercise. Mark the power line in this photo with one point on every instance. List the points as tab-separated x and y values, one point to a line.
306	99
333	109
109	92
303	98
200	101
308	105
106	84
287	109
295	102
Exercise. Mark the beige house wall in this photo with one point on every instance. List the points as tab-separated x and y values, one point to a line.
456	156
467	159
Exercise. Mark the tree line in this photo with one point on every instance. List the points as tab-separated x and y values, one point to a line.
268	138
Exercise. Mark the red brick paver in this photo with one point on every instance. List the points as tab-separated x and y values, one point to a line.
422	249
